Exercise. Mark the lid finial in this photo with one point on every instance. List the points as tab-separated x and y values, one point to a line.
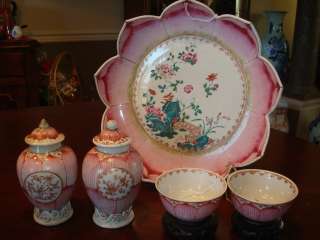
111	125
44	135
110	136
44	124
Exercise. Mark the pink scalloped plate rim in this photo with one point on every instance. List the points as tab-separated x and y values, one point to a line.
149	88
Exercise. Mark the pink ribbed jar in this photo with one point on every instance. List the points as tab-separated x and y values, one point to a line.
47	173
112	173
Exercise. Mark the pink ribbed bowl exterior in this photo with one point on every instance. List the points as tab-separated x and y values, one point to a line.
258	212
191	212
190	194
112	181
48	179
261	195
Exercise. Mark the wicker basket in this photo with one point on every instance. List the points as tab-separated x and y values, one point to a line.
64	84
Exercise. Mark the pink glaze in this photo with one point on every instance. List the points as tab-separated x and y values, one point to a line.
70	162
190	194
190	211
47	178
64	166
262	76
258	212
112	174
43	134
187	17
118	69
33	165
95	162
58	203
240	36
113	206
139	35
261	195
248	147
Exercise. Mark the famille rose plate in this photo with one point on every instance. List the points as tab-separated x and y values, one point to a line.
191	89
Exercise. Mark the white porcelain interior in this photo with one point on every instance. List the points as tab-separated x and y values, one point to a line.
191	185
181	76
261	186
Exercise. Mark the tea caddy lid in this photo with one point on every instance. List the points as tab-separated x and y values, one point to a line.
44	135
111	140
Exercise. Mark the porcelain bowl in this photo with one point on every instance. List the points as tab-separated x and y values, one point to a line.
190	194
261	195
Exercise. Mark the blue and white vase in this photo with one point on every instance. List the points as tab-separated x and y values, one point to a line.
314	131
274	44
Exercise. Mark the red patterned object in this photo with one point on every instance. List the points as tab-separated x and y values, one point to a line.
47	172
112	173
6	20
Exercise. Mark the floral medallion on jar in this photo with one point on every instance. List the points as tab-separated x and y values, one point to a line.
43	186
176	86
115	184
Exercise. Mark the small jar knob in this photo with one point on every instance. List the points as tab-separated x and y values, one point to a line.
44	124
112	125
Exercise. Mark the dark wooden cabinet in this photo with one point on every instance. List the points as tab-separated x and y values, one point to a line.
19	73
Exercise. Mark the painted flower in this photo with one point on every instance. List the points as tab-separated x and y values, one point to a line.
189	57
168	97
152	92
211	77
190	139
188	88
226	117
153	110
165	70
209	121
110	188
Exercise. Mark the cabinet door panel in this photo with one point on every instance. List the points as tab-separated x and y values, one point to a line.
12	64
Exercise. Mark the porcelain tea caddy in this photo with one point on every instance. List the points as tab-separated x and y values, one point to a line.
112	173
47	173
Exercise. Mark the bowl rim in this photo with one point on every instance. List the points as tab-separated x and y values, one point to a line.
267	171
223	181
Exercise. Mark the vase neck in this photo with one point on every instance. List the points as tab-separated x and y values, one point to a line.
275	22
45	148
113	150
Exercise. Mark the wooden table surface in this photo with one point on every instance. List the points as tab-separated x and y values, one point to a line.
292	157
